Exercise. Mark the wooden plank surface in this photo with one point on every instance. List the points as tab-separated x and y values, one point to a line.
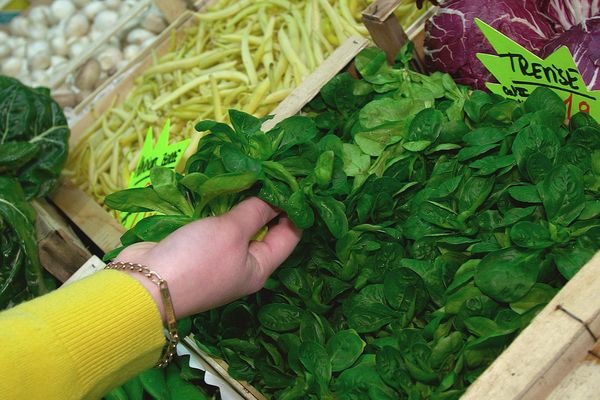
551	346
380	10
171	9
583	383
89	216
60	250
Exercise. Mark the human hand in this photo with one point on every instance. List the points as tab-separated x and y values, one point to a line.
213	261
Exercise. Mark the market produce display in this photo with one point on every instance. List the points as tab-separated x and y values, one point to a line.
438	222
452	39
43	43
244	55
33	150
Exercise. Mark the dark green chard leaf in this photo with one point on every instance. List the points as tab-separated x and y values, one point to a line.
36	133
19	258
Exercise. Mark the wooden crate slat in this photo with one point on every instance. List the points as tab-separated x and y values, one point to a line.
544	353
89	216
60	250
171	9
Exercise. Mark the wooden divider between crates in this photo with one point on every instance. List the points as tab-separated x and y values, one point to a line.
583	382
172	9
556	341
388	34
60	250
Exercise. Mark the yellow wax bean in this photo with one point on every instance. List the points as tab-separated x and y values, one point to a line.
305	39
114	168
257	97
247	59
165	99
91	166
201	61
237	38
276	97
218	110
294	35
289	53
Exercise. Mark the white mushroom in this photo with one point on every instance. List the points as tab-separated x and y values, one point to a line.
105	20
12	66
94	35
109	58
19	46
65	97
131	51
59	45
39	15
77	26
154	22
38	55
39	77
5	50
139	36
88	75
38	32
113	4
19	26
93	8
61	10
57	61
75	50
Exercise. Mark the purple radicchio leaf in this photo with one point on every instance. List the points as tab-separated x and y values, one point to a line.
583	40
452	39
567	13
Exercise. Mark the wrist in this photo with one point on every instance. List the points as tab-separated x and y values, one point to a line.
152	289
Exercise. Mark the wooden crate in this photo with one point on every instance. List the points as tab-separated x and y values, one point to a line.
553	353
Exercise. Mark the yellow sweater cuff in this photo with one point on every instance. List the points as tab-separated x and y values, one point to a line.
108	324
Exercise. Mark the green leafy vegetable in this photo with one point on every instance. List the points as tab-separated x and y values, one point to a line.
438	223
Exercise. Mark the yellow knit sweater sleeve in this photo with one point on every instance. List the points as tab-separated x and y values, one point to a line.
79	341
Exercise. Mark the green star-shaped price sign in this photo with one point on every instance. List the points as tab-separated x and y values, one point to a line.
162	154
519	72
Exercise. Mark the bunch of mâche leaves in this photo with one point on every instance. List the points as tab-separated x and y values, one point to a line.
437	222
33	149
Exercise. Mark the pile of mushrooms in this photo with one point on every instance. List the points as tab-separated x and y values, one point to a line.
42	43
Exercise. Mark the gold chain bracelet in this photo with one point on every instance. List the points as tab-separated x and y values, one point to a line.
165	295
